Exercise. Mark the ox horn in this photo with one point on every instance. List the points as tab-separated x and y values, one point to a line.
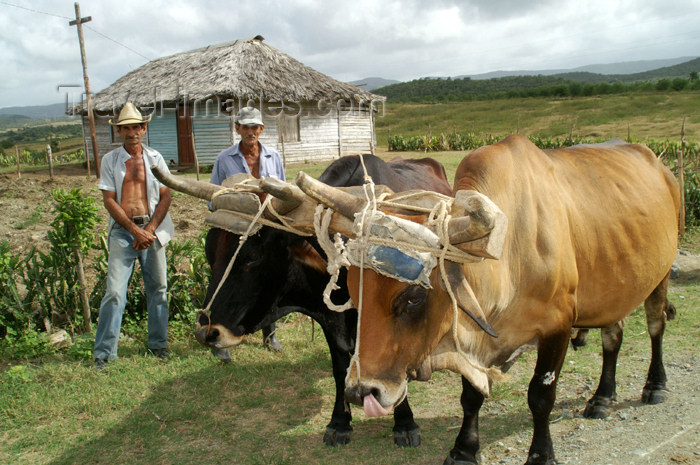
340	201
481	227
199	189
287	196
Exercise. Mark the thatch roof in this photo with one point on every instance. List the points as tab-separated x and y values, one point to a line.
242	69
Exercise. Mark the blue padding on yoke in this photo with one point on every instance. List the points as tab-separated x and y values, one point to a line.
396	263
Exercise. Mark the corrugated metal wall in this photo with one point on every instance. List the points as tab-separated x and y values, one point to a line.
211	136
162	135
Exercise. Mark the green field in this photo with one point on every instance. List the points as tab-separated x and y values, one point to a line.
655	116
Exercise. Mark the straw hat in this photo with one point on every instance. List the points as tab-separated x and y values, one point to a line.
129	115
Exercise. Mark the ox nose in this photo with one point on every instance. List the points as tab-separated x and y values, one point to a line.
355	394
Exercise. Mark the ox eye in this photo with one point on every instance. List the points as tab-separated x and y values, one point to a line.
411	300
252	263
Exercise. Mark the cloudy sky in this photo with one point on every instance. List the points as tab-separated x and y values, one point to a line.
348	40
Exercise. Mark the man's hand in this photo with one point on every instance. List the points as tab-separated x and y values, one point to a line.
143	238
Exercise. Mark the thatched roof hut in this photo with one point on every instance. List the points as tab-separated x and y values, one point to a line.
307	115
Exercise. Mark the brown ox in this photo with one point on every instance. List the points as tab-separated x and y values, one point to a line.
591	233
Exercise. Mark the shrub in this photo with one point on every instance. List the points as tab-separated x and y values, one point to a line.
679	84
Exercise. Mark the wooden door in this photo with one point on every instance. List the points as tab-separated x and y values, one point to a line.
185	148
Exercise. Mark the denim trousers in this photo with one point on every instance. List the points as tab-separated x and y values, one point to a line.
119	268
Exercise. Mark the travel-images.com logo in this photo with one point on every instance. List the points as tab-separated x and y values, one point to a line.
215	107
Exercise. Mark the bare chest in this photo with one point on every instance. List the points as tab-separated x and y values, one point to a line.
135	171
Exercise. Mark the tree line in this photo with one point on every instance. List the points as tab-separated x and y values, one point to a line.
439	90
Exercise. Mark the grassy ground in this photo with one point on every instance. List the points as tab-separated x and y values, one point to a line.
267	408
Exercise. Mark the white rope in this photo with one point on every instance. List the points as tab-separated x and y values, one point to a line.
247	185
336	257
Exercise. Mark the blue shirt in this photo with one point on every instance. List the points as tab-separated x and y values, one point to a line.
112	173
231	161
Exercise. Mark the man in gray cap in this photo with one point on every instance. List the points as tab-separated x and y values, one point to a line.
249	155
252	157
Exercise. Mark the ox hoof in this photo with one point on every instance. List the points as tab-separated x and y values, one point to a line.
598	408
450	461
537	459
273	344
410	438
654	396
333	437
453	461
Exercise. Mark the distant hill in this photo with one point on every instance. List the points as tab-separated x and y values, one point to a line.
371	83
36	111
12	116
562	84
627	67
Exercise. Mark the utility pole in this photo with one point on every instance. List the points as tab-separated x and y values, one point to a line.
78	21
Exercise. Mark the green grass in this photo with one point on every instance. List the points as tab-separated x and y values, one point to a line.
268	408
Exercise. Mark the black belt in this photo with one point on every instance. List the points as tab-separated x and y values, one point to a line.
143	219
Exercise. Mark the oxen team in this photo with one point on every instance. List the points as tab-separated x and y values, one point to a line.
524	247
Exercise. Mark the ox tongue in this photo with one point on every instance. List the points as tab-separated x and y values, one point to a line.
373	408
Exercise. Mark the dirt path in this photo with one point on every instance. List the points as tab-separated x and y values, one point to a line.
634	434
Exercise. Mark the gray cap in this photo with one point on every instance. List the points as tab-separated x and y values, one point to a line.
249	116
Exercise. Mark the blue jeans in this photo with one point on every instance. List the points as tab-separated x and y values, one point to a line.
120	265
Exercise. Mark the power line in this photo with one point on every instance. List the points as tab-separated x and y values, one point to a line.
118	43
34	11
87	27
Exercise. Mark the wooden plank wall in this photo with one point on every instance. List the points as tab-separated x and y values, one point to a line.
319	136
102	131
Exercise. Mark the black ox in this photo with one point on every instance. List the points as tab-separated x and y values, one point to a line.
277	273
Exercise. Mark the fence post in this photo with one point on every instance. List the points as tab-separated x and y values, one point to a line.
194	153
681	172
49	158
19	174
84	300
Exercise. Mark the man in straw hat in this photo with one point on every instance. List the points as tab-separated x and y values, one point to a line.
139	228
252	157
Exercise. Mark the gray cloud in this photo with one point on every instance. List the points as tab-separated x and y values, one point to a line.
399	39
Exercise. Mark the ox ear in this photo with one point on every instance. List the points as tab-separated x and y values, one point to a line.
467	302
305	254
478	226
